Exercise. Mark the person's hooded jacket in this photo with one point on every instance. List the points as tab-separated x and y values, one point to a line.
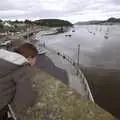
15	80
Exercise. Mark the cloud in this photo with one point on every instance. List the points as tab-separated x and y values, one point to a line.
6	5
116	2
73	10
12	14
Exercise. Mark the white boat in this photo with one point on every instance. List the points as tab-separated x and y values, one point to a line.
8	42
41	50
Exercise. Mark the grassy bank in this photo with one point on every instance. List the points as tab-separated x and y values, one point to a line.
56	101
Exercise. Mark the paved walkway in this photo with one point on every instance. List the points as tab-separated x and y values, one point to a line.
46	64
74	81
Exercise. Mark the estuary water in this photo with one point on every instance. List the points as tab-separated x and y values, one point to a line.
99	59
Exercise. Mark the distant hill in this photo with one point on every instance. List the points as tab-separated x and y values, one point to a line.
114	20
111	20
52	22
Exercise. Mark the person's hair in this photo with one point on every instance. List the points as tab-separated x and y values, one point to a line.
27	50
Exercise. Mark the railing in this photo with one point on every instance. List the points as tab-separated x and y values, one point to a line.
86	86
77	68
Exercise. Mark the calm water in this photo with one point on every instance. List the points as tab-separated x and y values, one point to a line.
99	58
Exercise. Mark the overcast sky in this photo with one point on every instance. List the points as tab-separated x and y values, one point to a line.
72	10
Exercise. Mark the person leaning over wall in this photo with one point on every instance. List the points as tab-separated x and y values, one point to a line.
15	79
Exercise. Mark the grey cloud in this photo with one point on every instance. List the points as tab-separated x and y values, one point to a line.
13	14
55	8
117	2
45	13
6	5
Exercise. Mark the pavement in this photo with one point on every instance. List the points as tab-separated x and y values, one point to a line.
62	70
46	64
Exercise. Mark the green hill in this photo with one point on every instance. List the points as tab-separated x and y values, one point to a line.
52	22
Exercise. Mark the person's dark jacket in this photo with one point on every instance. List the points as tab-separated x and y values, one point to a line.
15	84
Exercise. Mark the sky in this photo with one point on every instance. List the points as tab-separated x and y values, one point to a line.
71	10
